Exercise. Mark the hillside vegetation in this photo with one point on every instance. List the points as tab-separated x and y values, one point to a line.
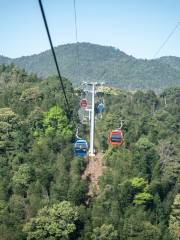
102	63
42	193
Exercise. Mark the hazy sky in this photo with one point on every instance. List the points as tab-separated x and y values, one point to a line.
137	27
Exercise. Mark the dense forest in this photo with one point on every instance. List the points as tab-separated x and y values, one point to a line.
103	63
42	193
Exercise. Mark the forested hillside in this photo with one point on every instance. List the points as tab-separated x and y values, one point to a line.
102	63
42	193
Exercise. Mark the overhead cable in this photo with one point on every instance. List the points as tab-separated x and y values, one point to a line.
167	39
76	34
55	59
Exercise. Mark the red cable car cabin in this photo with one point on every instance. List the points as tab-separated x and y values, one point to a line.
116	137
83	103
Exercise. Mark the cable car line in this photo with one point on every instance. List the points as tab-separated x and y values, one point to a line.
76	34
166	40
75	19
55	59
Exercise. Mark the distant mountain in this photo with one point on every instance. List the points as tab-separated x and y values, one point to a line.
5	60
102	63
172	61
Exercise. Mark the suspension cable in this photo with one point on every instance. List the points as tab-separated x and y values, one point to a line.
166	40
76	35
75	20
67	106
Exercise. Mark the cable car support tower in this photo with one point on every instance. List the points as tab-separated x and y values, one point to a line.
92	115
91	151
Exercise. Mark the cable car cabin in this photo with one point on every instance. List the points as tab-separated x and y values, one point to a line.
100	108
81	148
116	137
83	103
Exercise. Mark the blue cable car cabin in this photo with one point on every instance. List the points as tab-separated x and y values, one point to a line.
100	108
81	148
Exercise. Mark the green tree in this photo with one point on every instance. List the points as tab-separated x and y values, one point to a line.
174	223
22	178
145	156
137	227
140	189
105	232
55	122
139	184
53	223
9	123
31	94
142	198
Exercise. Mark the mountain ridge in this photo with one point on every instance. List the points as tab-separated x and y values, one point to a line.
102	63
